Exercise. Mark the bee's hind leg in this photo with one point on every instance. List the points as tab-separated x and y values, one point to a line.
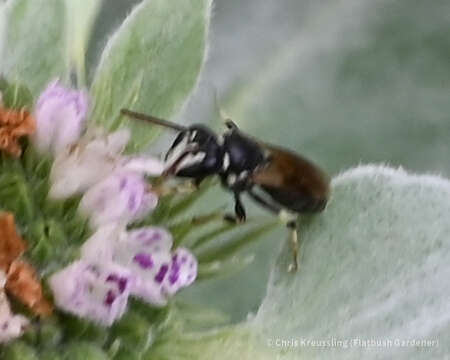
291	223
292	227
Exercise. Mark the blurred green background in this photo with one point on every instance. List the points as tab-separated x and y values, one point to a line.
343	82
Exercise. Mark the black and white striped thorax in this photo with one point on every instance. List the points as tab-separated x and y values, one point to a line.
241	158
198	153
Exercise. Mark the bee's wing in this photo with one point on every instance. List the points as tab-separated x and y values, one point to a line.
287	175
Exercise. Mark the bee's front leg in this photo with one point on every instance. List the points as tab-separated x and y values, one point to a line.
163	188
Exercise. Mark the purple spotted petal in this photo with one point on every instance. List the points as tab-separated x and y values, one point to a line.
150	238
148	285
121	197
144	260
146	253
96	291
60	115
11	326
182	272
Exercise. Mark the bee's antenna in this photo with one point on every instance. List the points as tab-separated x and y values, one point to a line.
153	120
224	116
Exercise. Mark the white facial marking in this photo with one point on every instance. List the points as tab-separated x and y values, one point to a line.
231	179
226	162
220	140
243	175
190	160
176	152
193	134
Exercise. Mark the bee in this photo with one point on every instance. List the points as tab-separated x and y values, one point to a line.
277	179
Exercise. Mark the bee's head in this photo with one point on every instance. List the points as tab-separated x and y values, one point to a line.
194	153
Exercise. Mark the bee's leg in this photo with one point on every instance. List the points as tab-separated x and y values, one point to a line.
181	136
292	227
264	203
163	189
198	181
239	210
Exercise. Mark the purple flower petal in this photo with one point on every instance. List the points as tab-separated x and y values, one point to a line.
121	197
149	237
98	291
93	159
110	298
144	260
182	272
146	252
159	277
102	243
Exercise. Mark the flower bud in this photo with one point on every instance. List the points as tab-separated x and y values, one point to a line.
60	116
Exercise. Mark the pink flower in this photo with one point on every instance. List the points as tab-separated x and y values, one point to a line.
60	116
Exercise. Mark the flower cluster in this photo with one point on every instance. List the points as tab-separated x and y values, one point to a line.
114	263
113	185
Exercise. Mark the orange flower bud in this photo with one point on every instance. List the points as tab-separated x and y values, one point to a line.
13	125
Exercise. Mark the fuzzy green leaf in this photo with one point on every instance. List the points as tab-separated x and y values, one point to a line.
151	63
373	266
80	19
40	60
